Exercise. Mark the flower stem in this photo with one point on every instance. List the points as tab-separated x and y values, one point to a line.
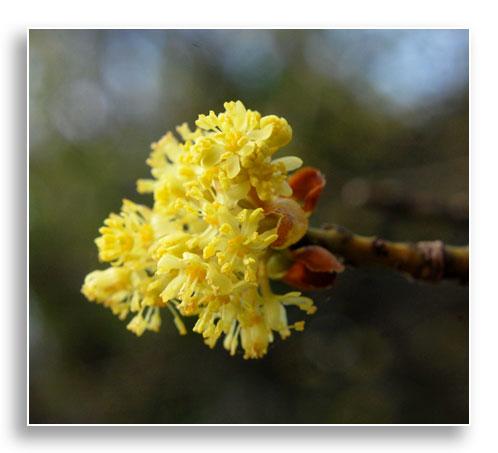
425	260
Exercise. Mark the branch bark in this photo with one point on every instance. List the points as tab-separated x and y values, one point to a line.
425	260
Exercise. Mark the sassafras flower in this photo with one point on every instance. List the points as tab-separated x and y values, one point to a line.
126	236
222	214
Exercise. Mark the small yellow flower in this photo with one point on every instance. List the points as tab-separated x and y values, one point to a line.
125	237
203	248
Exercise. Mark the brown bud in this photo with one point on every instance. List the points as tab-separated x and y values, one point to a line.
307	185
314	267
290	219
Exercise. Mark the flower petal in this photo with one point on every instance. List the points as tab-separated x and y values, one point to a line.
261	134
211	156
233	166
171	290
291	163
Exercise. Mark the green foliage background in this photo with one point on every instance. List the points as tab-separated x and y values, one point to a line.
380	349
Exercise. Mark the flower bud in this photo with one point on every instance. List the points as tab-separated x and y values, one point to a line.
291	221
281	133
314	268
307	185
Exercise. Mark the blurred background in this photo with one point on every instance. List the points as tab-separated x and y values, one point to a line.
383	113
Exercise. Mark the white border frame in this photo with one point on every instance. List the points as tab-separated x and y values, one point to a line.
224	424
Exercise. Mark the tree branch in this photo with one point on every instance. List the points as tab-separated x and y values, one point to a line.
425	260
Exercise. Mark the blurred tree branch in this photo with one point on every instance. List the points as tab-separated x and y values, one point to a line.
425	260
392	196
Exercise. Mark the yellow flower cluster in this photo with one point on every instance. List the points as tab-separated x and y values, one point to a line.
204	247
